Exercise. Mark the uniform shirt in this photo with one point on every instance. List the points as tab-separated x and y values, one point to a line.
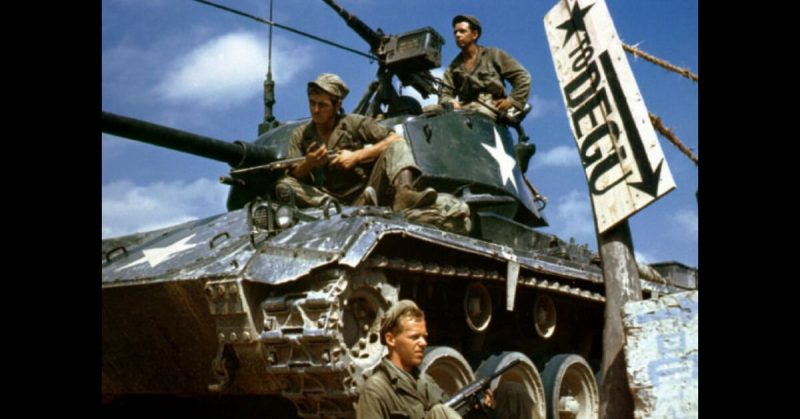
351	132
493	65
393	393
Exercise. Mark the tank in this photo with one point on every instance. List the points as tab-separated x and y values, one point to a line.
269	307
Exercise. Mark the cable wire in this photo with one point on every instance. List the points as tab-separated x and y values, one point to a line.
287	28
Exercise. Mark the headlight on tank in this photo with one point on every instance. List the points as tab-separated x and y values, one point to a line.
260	216
285	217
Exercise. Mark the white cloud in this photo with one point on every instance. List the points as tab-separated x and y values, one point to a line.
561	156
128	208
130	70
228	70
644	257
541	106
573	218
685	222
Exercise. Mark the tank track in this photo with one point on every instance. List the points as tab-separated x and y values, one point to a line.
310	354
306	352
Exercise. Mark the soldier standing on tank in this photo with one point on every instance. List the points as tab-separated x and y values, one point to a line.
396	386
368	156
477	74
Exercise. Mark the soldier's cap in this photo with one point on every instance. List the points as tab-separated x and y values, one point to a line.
391	316
468	18
332	84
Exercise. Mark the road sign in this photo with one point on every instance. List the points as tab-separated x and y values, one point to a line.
625	167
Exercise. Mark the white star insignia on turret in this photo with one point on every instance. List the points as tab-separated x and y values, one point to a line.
156	256
505	161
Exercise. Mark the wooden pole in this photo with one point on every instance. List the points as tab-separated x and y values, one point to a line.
622	285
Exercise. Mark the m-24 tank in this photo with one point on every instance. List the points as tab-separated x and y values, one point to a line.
278	307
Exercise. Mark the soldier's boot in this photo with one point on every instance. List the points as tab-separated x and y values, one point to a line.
367	197
406	197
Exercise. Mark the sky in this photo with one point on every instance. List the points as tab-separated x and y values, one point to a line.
196	68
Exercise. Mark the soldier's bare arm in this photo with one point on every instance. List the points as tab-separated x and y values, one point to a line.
347	159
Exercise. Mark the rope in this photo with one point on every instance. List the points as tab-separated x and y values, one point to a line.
667	133
639	53
649	273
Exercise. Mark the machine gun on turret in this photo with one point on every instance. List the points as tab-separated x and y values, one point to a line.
410	56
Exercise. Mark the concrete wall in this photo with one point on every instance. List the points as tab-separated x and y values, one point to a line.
661	353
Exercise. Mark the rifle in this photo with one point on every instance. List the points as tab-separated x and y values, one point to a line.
472	390
277	165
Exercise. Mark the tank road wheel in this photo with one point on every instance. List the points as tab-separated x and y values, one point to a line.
478	307
447	367
544	316
570	388
519	392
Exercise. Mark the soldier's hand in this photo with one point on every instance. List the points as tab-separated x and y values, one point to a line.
503	104
317	156
345	159
488	398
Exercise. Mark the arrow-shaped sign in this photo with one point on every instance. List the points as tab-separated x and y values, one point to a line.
649	182
608	118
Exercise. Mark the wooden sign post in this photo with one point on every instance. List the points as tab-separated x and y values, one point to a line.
622	158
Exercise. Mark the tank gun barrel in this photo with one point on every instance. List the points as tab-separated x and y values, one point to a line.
236	154
372	37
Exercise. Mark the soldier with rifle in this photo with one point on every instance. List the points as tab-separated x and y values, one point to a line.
396	387
367	157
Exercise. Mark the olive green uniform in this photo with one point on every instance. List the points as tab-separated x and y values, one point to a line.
352	132
485	81
393	393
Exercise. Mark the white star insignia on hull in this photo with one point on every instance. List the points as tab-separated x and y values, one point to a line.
156	256
505	161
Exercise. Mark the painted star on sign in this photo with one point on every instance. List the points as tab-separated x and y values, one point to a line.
504	161
575	23
156	256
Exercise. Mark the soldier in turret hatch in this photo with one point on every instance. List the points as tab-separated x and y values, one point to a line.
477	74
367	156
